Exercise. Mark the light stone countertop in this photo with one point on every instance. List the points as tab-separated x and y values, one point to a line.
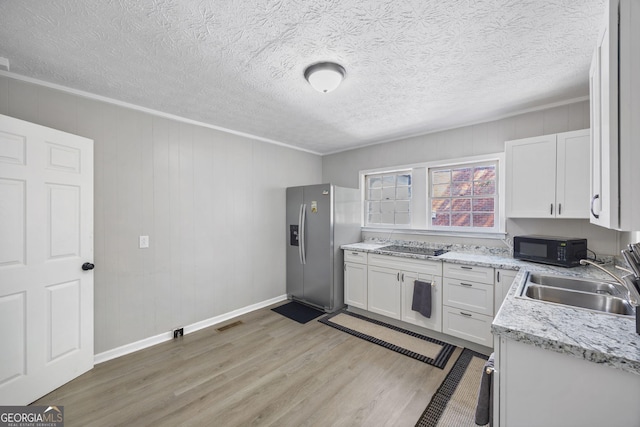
597	337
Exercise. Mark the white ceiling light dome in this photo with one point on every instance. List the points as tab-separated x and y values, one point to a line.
324	76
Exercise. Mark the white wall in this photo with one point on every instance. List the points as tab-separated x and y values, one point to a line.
212	203
484	138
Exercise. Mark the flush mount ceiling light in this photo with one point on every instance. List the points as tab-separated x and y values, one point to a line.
324	76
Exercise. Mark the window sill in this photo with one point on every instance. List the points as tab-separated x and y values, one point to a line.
396	231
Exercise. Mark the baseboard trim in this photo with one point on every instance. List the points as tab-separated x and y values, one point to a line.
167	336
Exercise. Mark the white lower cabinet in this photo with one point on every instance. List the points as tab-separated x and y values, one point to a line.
469	296
468	302
384	293
390	290
467	325
463	300
355	279
433	322
503	282
539	387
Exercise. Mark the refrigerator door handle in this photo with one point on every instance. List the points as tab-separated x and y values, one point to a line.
300	234
303	234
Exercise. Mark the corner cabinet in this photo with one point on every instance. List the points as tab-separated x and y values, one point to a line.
503	281
614	89
390	290
548	176
355	279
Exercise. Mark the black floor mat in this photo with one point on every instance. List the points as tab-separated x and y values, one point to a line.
298	312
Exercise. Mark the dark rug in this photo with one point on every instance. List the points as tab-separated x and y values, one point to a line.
459	388
299	312
414	345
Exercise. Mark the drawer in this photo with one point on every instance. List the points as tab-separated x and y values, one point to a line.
355	256
468	295
469	272
468	326
422	266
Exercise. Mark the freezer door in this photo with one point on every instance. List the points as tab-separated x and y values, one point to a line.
318	244
295	278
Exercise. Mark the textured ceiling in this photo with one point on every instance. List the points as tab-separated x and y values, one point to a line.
413	66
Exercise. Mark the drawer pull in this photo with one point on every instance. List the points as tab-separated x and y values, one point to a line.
464	267
465	314
466	284
355	253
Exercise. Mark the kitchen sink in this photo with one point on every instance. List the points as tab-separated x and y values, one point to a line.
598	302
598	295
577	284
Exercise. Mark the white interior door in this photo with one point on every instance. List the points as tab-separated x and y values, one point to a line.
46	229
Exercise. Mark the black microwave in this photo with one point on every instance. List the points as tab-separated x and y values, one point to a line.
561	251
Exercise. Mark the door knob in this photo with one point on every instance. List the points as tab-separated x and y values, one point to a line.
87	266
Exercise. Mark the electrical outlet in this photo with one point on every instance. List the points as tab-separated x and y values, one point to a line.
177	333
144	242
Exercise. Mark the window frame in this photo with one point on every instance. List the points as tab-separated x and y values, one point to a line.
366	200
421	199
496	197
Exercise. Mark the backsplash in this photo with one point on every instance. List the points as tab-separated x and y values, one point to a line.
452	247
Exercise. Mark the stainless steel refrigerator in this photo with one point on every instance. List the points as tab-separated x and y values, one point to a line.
320	218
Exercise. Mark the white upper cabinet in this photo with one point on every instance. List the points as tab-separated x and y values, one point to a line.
603	88
572	174
614	84
531	177
548	176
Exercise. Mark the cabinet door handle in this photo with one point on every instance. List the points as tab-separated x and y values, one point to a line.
551	212
398	276
465	314
466	284
345	266
497	276
559	208
403	277
593	200
464	267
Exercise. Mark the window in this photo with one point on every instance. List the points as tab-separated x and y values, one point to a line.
464	196
388	198
453	197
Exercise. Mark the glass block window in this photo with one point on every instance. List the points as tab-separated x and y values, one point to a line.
464	196
388	198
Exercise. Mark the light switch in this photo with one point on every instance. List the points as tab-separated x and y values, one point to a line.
144	242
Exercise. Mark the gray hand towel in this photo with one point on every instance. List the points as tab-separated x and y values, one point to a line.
421	298
484	410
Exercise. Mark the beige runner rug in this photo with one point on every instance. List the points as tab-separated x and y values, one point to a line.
417	346
454	404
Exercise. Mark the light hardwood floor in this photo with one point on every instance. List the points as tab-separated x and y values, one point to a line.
267	371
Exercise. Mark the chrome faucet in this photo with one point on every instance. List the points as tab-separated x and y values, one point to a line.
588	261
626	281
